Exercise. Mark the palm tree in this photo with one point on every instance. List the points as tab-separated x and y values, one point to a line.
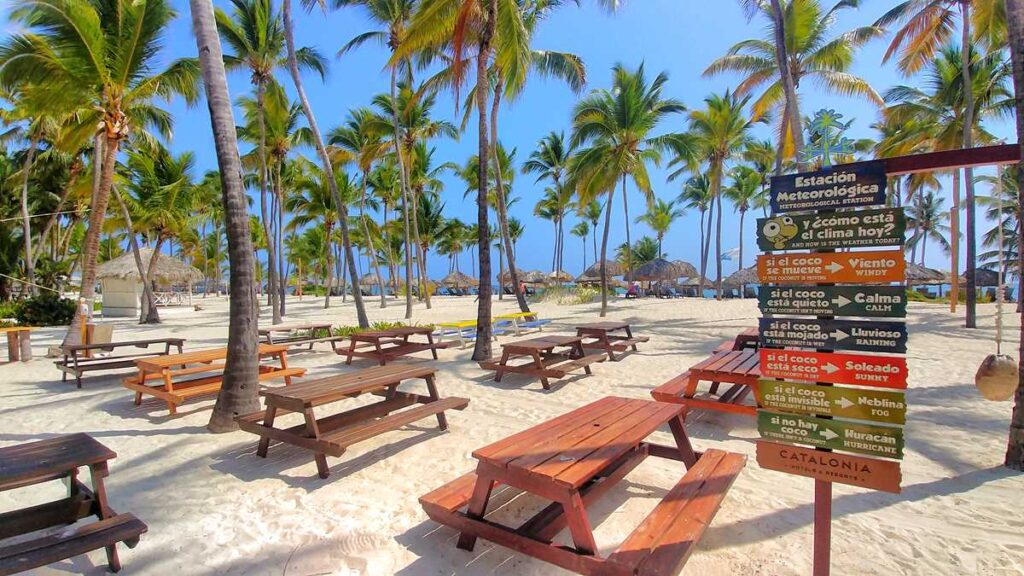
931	218
800	44
423	179
659	218
550	161
108	78
760	155
240	392
616	125
746	191
325	160
591	213
255	34
720	131
1015	19
581	230
314	204
925	27
361	137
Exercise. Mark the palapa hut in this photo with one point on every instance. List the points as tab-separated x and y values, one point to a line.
559	276
922	276
656	270
122	284
612	268
534	277
596	281
983	277
685	269
742	278
458	280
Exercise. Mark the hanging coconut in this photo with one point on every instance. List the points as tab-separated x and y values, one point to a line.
997	378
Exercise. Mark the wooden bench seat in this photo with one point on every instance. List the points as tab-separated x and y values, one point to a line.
671	390
71	542
665	539
76	364
563	368
621	344
344	437
183	390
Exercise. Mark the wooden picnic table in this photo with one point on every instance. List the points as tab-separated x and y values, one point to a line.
333	434
79	359
59	458
168	368
384	345
572	461
601	336
19	343
299	334
741	368
543	361
749	338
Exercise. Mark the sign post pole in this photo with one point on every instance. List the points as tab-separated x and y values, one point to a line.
822	527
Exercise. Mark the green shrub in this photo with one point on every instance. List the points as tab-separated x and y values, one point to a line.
8	309
346	331
47	309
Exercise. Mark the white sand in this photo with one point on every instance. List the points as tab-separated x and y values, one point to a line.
213	507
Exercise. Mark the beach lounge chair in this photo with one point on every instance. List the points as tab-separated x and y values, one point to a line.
465	331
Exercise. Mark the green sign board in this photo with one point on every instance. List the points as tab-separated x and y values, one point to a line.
885	441
869	301
847	186
835	401
824	231
862	335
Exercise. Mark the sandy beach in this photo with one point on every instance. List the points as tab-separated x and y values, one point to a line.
213	507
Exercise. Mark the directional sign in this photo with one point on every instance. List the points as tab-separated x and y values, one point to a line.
836	187
870	473
860	229
861	404
859	335
880	267
875	301
857	369
886	441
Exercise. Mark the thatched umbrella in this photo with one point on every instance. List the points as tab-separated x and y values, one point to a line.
167	269
596	280
742	278
695	281
982	277
560	276
655	270
534	277
922	276
459	280
684	268
612	268
369	280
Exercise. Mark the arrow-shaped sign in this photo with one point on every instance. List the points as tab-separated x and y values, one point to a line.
873	301
838	334
874	267
843	402
841	301
834	267
836	368
884	441
834	334
830	368
874	405
829	434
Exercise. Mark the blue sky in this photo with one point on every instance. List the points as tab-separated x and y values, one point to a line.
681	38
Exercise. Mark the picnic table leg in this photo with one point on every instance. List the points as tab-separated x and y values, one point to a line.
351	349
98	472
430	340
380	351
501	366
142	380
314	432
169	387
578	349
477	508
677	425
629	334
268	421
540	366
442	422
607	344
579	524
283	359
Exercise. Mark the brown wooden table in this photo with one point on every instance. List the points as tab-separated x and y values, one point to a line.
572	461
169	368
384	345
601	335
60	458
749	338
543	361
307	333
79	359
333	434
741	368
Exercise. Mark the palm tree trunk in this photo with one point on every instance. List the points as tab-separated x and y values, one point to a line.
954	252
788	82
329	264
26	224
76	169
743	287
972	244
629	244
369	244
707	248
421	254
404	182
148	300
325	159
604	253
718	245
91	243
151	316
1015	24
240	392
272	293
506	236
282	275
482	347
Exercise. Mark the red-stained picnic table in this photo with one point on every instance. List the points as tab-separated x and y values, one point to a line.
749	338
384	345
572	461
543	361
601	335
741	368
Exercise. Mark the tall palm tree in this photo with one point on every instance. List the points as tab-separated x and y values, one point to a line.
931	218
659	218
581	230
255	35
924	28
109	78
551	208
423	179
720	131
318	141
590	212
745	192
616	126
550	161
314	204
240	392
1015	26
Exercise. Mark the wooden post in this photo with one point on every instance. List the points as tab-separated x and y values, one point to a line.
822	527
13	349
25	343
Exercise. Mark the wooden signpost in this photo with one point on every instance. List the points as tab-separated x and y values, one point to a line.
851	186
870	473
890	337
856	369
838	402
885	441
862	229
876	267
868	301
